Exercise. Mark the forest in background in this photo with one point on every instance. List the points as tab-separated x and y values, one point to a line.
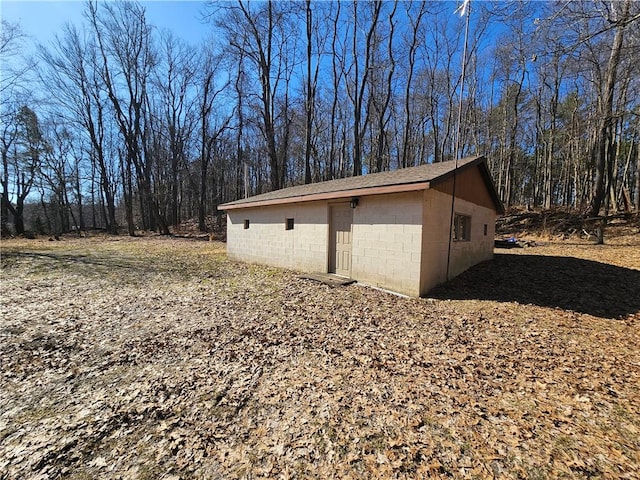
119	125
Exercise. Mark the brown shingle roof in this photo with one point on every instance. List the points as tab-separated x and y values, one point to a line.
402	180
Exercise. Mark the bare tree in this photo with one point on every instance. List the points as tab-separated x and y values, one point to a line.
358	75
8	137
22	150
59	173
70	66
13	65
415	20
338	56
312	90
125	45
441	78
258	34
382	91
12	72
211	128
604	140
174	80
311	84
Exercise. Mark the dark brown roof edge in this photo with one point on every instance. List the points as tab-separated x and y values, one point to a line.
406	187
484	170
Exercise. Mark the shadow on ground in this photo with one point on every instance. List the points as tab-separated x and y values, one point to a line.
96	263
58	259
568	283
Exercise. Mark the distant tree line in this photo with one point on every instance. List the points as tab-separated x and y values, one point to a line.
119	124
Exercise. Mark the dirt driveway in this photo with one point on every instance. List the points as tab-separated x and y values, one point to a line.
158	358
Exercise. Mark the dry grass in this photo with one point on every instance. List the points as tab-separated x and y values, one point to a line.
158	358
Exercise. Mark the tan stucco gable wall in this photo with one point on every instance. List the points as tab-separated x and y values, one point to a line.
387	236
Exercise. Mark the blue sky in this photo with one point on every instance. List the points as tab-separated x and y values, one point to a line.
41	20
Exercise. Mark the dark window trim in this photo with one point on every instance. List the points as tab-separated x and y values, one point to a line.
462	222
289	224
246	224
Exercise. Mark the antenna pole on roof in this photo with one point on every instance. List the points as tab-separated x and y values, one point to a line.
464	10
246	180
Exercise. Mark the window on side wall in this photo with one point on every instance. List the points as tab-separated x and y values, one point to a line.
462	228
246	224
289	224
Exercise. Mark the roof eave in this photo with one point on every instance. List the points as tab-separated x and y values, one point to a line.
356	192
479	161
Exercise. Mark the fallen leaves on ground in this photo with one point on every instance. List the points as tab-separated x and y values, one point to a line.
158	358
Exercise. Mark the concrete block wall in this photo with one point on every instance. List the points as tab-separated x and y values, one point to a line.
267	241
480	247
387	237
435	241
399	241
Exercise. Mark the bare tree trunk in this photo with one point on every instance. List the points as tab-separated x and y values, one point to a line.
604	147
310	98
360	84
637	183
337	76
407	159
382	110
206	106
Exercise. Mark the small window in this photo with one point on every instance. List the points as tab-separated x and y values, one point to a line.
462	228
289	225
485	229
246	224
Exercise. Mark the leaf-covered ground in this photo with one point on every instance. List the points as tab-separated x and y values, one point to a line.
158	358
